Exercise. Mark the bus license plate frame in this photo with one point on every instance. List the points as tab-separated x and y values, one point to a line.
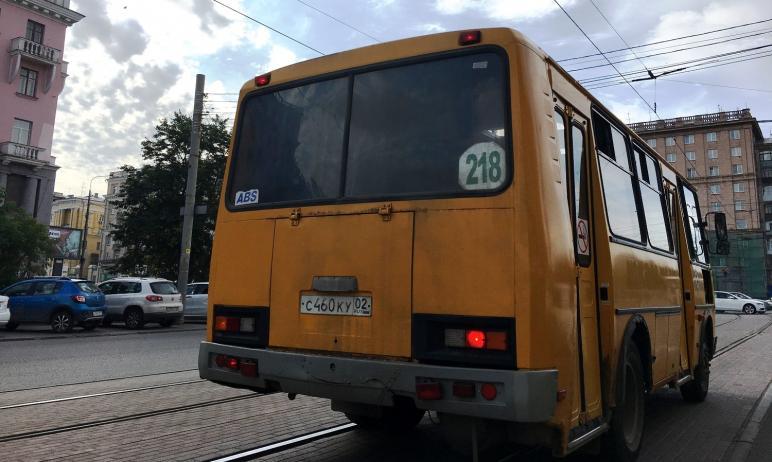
342	305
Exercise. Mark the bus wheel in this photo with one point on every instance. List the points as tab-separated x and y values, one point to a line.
623	441
400	418
696	390
749	309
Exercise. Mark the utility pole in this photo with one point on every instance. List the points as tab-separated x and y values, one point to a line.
190	190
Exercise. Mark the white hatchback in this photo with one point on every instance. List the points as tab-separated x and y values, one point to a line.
137	301
5	313
736	301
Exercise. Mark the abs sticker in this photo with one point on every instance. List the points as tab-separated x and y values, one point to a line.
482	166
246	197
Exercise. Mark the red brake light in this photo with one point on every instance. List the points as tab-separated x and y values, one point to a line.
488	391
475	339
428	391
220	360
469	37
232	363
463	389
227	324
79	299
263	80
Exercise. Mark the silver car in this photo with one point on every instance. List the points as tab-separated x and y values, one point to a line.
196	300
5	313
137	301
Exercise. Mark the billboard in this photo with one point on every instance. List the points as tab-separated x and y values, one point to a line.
66	242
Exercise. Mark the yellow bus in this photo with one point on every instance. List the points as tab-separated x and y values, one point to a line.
451	223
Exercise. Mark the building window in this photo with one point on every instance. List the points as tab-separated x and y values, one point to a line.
734	134
739	205
652	142
713	171
737	151
739	187
688	139
22	131
715	189
766	155
690	155
767	172
670	141
768	226
711	137
715	206
737	169
768	207
670	157
691	173
28	80
712	153
35	31
742	223
767	196
769	246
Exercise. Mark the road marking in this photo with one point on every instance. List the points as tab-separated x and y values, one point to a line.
93	395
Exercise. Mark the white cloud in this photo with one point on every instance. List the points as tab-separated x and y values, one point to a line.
504	10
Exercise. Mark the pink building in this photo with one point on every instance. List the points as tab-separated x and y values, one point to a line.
32	75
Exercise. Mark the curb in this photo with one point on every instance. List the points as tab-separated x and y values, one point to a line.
743	443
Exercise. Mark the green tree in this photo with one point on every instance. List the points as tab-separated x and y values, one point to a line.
149	224
24	244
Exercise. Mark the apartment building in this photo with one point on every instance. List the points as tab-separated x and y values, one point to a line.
764	156
32	75
718	153
110	250
70	212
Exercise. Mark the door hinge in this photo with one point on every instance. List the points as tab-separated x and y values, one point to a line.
385	212
295	217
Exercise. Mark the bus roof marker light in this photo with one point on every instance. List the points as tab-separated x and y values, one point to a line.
263	80
469	37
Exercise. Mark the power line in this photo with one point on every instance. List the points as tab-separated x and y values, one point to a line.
619	35
620	74
600	53
717	85
338	20
269	27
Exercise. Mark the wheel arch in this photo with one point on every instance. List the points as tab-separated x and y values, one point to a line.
637	333
129	307
59	308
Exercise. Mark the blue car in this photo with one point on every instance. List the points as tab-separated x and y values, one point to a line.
59	302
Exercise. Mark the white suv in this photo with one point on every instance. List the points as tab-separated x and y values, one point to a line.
136	301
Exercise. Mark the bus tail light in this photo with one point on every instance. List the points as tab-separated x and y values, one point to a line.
263	80
226	362
477	339
463	389
488	391
428	391
469	37
234	324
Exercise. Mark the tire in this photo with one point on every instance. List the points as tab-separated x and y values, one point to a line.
61	321
623	440
749	309
399	419
696	390
166	322
134	318
11	326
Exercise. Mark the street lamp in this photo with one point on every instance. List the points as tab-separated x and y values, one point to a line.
84	238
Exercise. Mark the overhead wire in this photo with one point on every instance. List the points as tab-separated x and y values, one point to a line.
338	20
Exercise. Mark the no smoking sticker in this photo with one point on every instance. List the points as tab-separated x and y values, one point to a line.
582	237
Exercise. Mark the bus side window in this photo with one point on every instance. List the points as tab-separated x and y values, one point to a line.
618	181
654	206
560	140
581	197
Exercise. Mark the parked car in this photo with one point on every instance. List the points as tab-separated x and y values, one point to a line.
196	300
735	301
58	301
137	301
5	313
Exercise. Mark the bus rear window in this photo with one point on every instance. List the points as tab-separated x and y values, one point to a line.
431	128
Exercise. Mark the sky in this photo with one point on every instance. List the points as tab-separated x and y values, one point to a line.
133	62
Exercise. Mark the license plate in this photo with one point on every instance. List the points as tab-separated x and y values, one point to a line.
171	309
97	313
341	305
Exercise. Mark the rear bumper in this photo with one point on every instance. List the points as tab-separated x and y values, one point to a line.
155	317
523	396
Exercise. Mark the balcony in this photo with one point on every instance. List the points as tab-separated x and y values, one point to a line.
20	151
35	51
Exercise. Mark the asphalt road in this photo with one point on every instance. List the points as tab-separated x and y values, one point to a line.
35	357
